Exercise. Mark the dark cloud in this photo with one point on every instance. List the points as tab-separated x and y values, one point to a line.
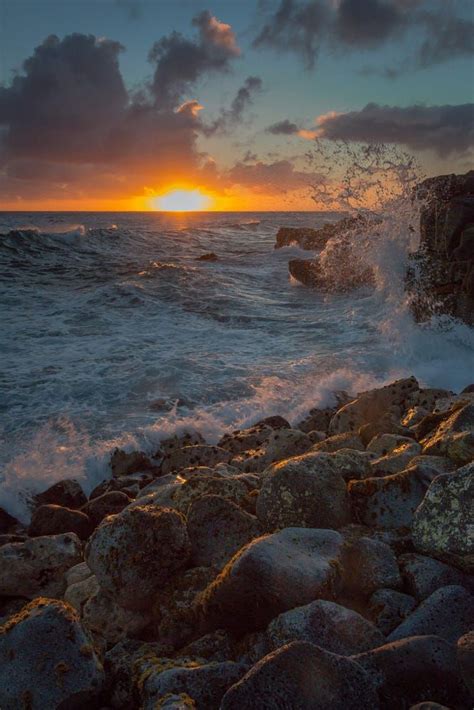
180	61
283	128
235	113
443	129
304	26
276	177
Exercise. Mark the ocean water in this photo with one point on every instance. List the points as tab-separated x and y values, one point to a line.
112	333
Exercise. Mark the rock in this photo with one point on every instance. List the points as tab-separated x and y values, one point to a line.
253	437
135	552
369	565
197	455
209	256
388	608
175	702
304	237
274	574
195	488
453	437
388	423
352	464
67	493
305	491
37	566
397	460
217	529
424	575
105	619
442	525
7	521
281	444
302	675
448	613
428	705
373	405
413	669
390	501
173	443
54	519
47	660
328	625
465	654
205	684
109	503
77	573
123	463
79	593
216	646
347	440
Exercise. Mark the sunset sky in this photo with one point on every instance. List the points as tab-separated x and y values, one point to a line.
108	104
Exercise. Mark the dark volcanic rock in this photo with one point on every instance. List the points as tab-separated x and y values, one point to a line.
67	493
47	660
414	669
424	575
302	676
123	463
54	520
388	608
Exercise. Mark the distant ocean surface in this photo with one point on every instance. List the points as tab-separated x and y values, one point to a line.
112	333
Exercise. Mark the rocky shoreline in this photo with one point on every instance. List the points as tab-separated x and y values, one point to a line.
329	565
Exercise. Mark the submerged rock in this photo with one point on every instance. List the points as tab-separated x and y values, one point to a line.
302	675
47	660
135	552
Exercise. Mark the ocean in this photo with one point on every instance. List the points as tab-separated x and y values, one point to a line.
114	334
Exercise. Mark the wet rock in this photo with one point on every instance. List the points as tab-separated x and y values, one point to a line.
135	552
465	654
204	683
454	437
328	625
424	575
54	520
388	608
218	528
373	405
413	669
254	437
209	256
369	565
442	525
123	463
7	521
37	566
305	237
37	673
173	443
347	440
67	493
305	491
198	455
274	574
389	501
302	675
448	613
105	619
109	503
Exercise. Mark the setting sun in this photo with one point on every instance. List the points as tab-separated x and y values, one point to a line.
182	201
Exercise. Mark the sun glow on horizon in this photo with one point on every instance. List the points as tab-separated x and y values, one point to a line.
181	200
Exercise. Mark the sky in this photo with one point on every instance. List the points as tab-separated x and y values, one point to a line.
110	104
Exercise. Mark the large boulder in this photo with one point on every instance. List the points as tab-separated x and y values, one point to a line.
373	405
369	565
326	624
448	613
217	529
415	669
135	552
274	574
67	493
195	455
54	520
301	675
388	608
37	566
442	525
454	437
47	661
305	491
108	503
254	437
423	575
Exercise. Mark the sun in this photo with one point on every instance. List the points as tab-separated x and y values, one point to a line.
182	201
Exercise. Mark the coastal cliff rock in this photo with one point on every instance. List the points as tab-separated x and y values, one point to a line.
440	278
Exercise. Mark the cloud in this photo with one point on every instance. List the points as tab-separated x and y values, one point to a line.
305	26
180	61
235	113
271	178
283	128
443	129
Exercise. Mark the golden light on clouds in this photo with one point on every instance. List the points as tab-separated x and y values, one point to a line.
182	201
